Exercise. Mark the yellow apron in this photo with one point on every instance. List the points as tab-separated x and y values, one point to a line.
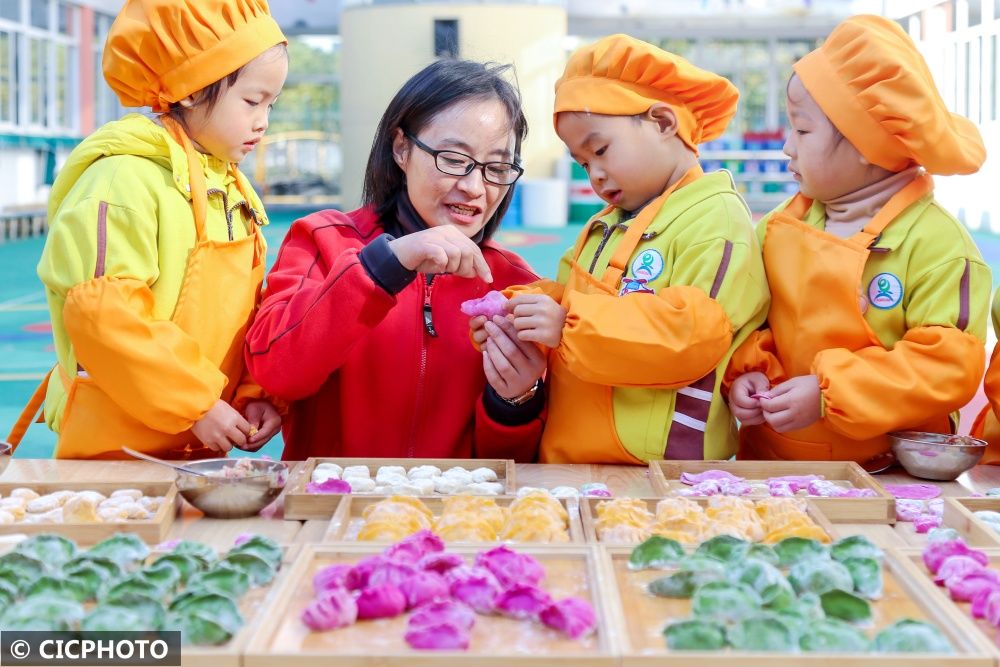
211	308
568	396
803	262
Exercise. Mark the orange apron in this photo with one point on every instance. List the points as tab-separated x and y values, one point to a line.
803	262
211	308
568	396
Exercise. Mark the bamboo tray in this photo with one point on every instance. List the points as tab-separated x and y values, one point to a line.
666	475
347	520
495	641
959	513
639	618
984	632
588	515
152	531
302	505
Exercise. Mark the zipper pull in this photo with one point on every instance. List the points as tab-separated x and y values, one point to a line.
428	313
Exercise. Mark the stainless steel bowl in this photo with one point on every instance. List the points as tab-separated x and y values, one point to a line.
223	497
935	455
6	450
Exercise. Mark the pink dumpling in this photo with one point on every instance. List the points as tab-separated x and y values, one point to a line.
523	601
965	588
411	549
510	567
423	587
328	486
391	572
956	566
334	608
991	611
444	611
980	600
357	577
909	510
440	562
439	637
475	586
573	617
493	303
384	601
330	577
924	523
935	553
913	491
709	475
796	483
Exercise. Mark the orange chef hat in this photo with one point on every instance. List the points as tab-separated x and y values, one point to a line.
161	51
623	76
875	87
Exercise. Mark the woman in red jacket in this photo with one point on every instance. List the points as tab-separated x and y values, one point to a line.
360	329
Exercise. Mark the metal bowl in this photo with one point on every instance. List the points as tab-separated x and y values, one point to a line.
6	450
223	497
935	455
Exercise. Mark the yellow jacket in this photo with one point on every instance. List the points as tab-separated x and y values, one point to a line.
114	263
636	376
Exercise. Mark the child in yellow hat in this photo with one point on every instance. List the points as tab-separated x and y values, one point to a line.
879	296
155	258
662	284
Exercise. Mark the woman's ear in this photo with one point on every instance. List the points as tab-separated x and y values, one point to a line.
400	148
187	102
664	117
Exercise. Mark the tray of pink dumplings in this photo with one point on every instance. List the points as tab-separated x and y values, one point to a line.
421	601
88	512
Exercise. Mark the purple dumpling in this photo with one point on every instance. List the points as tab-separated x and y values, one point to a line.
439	637
522	601
334	608
330	577
956	566
444	611
935	553
392	572
411	549
963	589
423	587
573	617
510	567
475	586
357	577
440	562
328	486
383	601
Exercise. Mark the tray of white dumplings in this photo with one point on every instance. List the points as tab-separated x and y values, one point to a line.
88	512
318	485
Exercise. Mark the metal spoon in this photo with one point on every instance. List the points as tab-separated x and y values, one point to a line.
153	459
879	463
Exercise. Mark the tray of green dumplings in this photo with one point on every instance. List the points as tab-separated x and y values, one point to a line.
216	600
729	602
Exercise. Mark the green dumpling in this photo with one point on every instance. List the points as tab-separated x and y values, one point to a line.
831	635
108	568
263	547
910	636
164	574
123	548
855	546
224	579
137	616
53	550
693	572
725	548
88	576
818	575
259	570
187	566
846	606
208	618
21	569
655	552
801	613
202	552
763	552
695	635
867	576
755	573
64	587
761	633
724	601
792	550
8	593
42	612
131	585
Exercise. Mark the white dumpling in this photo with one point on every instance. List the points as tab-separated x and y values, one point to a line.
484	475
528	490
424	486
446	485
565	492
356	471
25	494
424	472
461	476
325	471
391	470
360	484
6	517
484	489
44	504
380	490
134	494
404	489
391	478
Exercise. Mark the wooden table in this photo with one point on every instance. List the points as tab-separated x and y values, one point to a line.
622	480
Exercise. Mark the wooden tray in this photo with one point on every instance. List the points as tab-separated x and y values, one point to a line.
588	515
152	531
984	632
639	618
958	515
347	520
302	505
666	475
496	641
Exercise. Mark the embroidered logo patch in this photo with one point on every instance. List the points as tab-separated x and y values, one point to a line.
635	286
885	291
647	266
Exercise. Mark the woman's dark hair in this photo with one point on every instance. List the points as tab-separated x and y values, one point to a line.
210	95
429	92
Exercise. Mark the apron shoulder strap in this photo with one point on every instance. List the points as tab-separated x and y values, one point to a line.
32	410
902	200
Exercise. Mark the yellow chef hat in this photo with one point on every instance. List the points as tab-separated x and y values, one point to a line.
623	76
875	87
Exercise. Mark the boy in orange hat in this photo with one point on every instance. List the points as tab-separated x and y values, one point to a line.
662	284
879	296
154	261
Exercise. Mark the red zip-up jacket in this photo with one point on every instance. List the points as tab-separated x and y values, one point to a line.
359	367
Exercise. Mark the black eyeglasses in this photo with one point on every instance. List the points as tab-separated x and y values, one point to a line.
454	163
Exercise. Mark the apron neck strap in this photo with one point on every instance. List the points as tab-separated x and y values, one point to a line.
902	200
196	175
638	227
